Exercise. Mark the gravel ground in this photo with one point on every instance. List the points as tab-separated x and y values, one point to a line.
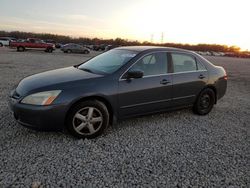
176	149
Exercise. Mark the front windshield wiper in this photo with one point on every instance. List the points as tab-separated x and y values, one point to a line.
91	71
87	70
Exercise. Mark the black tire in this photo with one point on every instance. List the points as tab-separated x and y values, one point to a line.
69	51
20	49
86	52
99	112
205	102
49	50
1	45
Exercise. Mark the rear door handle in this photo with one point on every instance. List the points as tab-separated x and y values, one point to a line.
164	82
202	76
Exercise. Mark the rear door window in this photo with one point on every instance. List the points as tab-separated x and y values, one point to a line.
183	63
200	66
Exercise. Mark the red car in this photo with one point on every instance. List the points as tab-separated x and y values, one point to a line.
32	43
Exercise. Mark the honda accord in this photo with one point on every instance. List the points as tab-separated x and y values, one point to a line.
121	83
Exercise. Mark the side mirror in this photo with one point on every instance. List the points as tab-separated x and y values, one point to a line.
134	74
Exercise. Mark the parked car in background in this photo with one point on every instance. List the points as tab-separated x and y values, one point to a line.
110	47
49	41
217	54
204	53
96	47
32	43
118	84
5	41
74	48
21	40
100	47
58	45
89	46
221	53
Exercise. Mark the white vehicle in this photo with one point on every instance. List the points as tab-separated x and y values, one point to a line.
221	53
5	41
204	53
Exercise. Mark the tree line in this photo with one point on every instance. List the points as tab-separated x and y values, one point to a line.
117	42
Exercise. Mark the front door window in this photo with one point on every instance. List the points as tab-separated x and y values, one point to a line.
153	64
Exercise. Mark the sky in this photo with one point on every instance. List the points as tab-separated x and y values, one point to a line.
179	21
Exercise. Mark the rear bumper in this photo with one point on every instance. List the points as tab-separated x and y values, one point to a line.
221	87
44	118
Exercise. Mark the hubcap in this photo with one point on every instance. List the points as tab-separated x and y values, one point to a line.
87	121
205	101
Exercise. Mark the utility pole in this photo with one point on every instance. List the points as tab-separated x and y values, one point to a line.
162	37
152	38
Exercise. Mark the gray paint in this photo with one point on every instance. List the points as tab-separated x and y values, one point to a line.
127	98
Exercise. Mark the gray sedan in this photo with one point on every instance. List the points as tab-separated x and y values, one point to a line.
74	48
118	84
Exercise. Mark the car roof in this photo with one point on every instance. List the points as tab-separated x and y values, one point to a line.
151	48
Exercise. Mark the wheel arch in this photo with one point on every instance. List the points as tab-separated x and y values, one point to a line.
98	98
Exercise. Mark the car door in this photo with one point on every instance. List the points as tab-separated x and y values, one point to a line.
75	48
81	49
150	93
189	78
39	44
30	43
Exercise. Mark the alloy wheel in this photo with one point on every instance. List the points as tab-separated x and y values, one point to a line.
87	121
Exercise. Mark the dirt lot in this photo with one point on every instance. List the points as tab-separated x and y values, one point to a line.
177	149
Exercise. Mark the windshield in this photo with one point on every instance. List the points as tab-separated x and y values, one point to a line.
108	62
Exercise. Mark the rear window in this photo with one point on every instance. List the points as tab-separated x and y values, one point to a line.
185	63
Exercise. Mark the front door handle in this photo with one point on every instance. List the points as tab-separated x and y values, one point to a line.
202	76
164	82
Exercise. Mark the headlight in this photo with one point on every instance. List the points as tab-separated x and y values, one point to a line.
42	98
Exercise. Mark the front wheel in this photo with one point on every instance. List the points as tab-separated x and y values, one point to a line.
20	49
204	102
88	119
1	45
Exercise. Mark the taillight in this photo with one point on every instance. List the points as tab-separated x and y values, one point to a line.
225	77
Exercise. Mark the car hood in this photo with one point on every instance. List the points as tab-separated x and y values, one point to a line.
54	79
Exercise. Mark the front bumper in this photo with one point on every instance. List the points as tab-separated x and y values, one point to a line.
44	118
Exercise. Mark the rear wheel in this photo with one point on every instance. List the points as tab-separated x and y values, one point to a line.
88	119
86	52
1	45
69	51
20	48
49	50
204	102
